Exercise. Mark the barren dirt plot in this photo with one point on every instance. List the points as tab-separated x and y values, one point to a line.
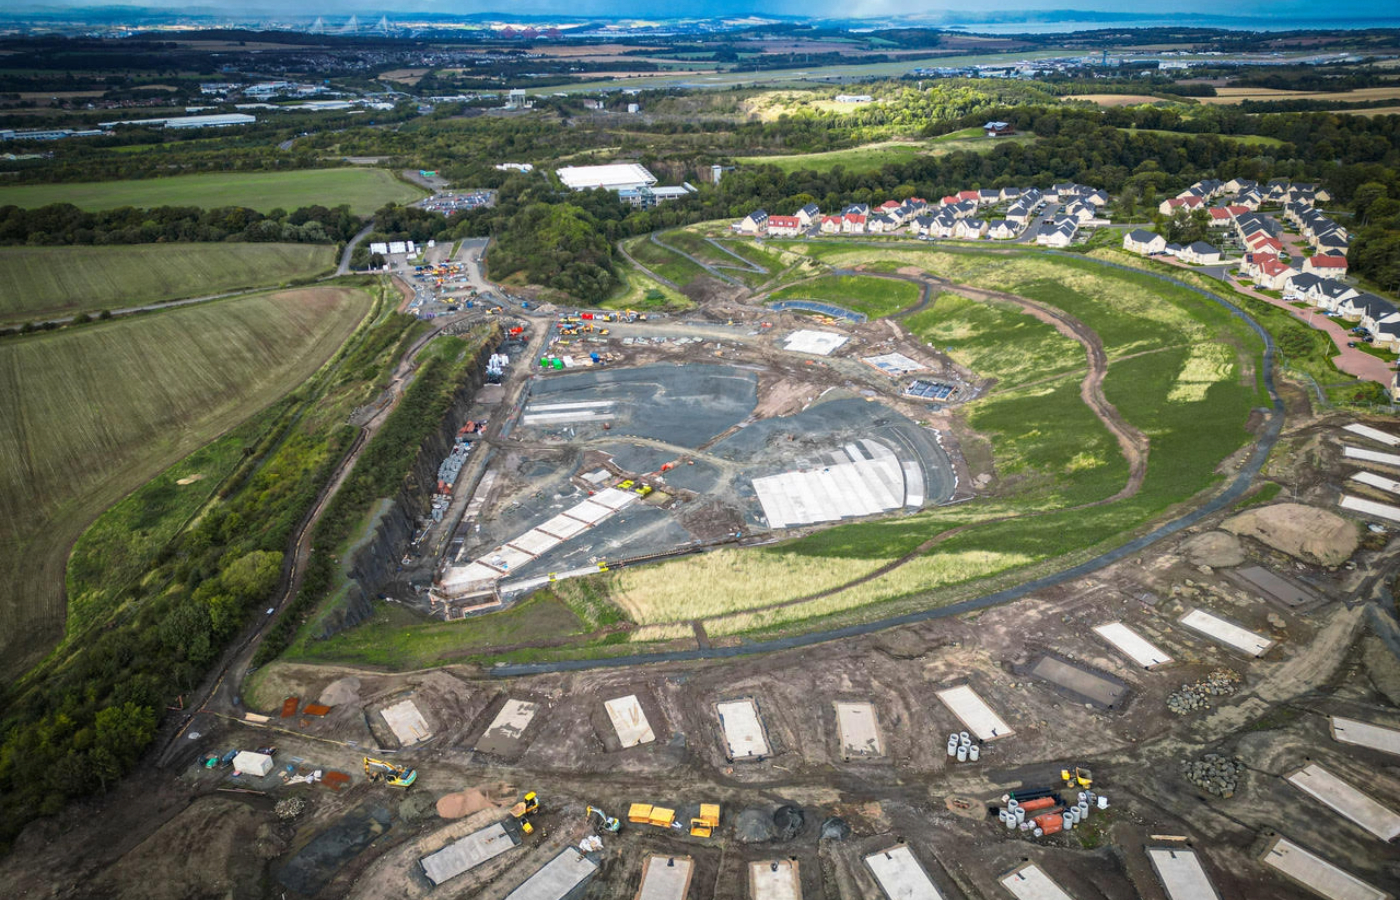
504	734
87	415
51	282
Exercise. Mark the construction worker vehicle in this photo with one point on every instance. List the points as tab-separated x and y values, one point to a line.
705	824
643	489
528	806
1077	776
608	822
395	776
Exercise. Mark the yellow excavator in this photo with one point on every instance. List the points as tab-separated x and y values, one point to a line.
528	806
390	774
609	823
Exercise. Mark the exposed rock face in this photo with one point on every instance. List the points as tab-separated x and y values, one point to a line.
1303	532
1217	549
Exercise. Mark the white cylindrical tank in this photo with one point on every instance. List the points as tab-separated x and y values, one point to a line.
1069	824
964	737
952	748
1020	815
1012	803
962	753
1010	823
973	752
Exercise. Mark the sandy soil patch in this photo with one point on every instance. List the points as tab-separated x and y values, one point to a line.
1217	549
1227	95
1303	532
1115	99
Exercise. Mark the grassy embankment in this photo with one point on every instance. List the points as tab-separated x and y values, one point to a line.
89	415
364	189
38	283
872	157
869	294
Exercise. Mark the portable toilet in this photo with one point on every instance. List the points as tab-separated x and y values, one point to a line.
250	763
558	364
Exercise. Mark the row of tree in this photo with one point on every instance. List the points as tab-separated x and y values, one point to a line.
65	224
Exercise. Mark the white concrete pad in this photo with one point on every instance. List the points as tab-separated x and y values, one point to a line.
665	878
1346	799
512	720
1031	883
859	728
1364	734
843	490
774	880
1389	485
1375	434
1181	873
743	729
913	484
468	576
818	343
1371	508
1375	456
535	542
974	713
567	416
1227	633
901	876
1132	645
406	722
894	364
557	879
465	854
560	407
1317	874
589	512
613	498
629	721
506	559
563	527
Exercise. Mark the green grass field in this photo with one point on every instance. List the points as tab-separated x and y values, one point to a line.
663	262
870	157
365	189
88	415
38	283
874	296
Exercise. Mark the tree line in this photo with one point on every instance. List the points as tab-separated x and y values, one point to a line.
65	224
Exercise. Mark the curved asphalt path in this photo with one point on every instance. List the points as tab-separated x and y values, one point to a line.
1237	488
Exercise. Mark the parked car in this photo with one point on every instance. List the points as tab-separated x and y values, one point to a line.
1351	343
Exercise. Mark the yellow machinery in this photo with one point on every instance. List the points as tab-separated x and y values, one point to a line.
390	774
646	814
704	824
1080	776
528	806
609	823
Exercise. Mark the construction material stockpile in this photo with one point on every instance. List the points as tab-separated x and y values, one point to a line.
1041	813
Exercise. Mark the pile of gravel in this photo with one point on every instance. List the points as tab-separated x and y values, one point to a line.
289	809
1214	774
1195	697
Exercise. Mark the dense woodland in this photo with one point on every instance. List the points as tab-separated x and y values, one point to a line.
65	224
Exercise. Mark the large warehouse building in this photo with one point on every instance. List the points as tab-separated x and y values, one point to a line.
618	177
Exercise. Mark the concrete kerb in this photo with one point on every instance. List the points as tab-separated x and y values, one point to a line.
1236	489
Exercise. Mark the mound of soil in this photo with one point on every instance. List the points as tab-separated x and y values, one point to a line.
1303	532
753	826
1217	549
788	822
341	692
463	803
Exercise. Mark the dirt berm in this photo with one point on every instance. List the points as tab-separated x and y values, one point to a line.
1303	532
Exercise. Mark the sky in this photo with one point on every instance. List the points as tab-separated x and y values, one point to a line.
1299	13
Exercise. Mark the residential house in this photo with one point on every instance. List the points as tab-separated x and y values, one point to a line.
1220	217
853	223
880	224
1302	286
1001	230
1173	250
1326	265
988	197
1374	312
1250	199
1273	275
1098	197
1336	243
1058	232
888	207
969	196
856	209
998	129
755	222
970	229
1079	210
1260	242
1200	254
784	226
809	214
1190	204
831	224
1333	294
1144	242
920	224
1020	214
943	224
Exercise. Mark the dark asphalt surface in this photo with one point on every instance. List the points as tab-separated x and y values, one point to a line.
1237	488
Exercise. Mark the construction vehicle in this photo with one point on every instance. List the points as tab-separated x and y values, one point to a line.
705	824
643	489
609	823
646	814
1078	776
390	774
528	806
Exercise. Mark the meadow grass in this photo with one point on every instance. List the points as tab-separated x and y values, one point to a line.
364	189
88	415
48	282
665	263
996	340
874	296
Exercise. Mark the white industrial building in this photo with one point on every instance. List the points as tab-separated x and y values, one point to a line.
216	121
616	177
